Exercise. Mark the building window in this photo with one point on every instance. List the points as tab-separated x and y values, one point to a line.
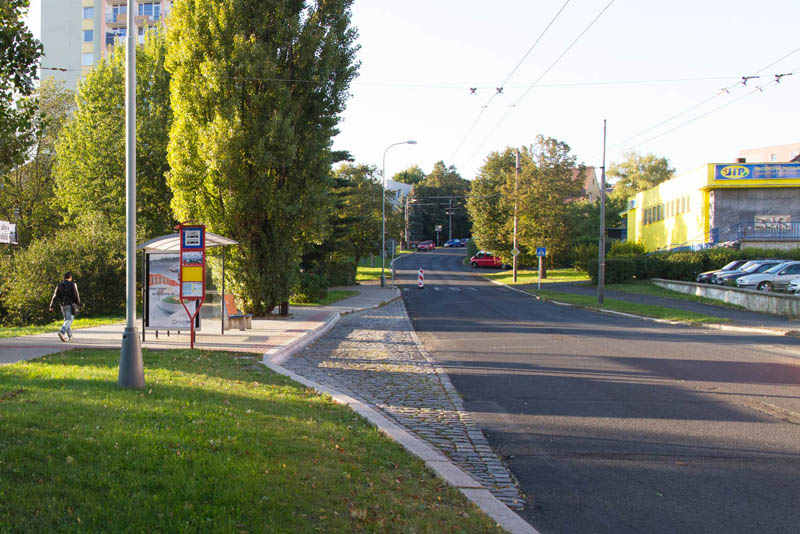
88	13
114	33
87	60
88	36
773	157
150	9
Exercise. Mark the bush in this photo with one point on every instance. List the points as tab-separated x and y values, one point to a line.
310	287
627	249
584	254
472	248
618	270
340	273
95	255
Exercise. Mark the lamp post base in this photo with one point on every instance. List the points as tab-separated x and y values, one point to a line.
383	280
131	368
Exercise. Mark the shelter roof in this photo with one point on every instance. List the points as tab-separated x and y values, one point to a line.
172	243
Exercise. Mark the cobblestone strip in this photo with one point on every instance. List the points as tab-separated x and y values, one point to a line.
375	356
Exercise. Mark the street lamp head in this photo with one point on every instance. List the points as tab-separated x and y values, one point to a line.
412	142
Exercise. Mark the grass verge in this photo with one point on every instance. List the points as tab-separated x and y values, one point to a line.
54	326
214	443
532	276
334	295
364	273
645	287
634	308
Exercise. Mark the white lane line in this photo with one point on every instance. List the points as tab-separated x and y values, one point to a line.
455	288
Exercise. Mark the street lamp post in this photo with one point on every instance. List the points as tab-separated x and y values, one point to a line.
383	209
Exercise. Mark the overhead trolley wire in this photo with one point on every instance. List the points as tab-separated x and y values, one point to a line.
723	91
535	83
500	88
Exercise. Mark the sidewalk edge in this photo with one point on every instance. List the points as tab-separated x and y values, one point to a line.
710	326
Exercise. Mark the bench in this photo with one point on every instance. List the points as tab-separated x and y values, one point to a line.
235	318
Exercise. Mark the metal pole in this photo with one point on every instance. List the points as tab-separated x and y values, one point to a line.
450	221
383	209
223	309
516	181
131	368
601	259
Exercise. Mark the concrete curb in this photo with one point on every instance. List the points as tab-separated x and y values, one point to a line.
434	460
710	326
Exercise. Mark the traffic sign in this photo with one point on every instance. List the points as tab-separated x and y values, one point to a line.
541	251
515	252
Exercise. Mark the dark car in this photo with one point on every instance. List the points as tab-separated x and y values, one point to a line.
751	267
452	243
705	278
426	245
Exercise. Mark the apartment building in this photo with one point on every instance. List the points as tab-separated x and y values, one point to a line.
75	34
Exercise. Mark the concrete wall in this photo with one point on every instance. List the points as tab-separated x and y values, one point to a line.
732	206
757	301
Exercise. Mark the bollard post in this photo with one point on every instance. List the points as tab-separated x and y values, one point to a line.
421	279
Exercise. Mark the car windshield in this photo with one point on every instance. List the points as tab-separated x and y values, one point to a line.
731	266
774	268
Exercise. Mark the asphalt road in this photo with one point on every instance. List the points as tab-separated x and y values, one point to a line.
613	424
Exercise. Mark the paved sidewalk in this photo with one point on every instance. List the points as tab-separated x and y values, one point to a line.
737	318
374	356
267	336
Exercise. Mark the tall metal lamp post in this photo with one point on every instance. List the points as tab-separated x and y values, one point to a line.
131	368
383	210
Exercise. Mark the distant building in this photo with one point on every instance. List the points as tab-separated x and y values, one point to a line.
771	154
753	204
75	34
590	189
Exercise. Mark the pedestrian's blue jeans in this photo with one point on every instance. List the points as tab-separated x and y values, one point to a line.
66	328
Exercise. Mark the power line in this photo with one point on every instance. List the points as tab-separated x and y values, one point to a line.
500	89
553	64
724	90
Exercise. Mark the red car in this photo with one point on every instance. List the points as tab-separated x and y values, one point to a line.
485	259
426	245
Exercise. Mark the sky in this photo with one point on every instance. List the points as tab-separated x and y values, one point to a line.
655	71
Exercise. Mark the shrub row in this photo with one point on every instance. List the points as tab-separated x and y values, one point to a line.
312	286
680	265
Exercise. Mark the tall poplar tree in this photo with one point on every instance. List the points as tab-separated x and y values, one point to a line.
257	89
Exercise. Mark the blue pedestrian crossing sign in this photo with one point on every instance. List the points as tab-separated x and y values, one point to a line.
541	251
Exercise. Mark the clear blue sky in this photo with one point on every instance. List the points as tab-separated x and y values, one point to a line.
420	57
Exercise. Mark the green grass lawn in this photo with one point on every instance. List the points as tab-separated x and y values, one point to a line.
55	326
634	308
532	276
214	443
365	272
334	295
645	287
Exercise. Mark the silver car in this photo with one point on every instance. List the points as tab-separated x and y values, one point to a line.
794	286
774	279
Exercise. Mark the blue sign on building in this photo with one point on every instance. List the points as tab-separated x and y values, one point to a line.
757	171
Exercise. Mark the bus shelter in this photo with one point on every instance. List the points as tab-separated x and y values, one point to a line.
162	309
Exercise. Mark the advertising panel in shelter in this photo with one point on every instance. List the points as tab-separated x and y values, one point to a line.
164	308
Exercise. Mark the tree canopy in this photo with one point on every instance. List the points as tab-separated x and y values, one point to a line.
90	171
412	175
638	173
437	200
257	89
19	54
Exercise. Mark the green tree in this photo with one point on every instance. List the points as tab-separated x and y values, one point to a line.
638	173
412	175
490	211
442	192
257	89
27	190
19	54
90	167
546	184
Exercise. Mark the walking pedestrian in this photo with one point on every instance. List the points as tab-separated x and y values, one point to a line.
66	293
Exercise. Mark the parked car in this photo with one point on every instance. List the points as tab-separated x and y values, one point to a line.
462	242
705	278
485	259
751	267
426	245
452	243
794	286
775	279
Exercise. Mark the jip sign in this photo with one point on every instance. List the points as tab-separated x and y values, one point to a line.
193	269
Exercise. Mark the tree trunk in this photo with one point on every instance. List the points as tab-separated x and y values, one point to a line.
284	309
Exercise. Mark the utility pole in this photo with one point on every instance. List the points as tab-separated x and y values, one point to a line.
450	220
515	252
601	254
406	232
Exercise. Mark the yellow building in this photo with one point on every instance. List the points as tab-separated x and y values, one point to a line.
754	204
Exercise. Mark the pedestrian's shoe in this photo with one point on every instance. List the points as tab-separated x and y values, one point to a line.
69	336
61	337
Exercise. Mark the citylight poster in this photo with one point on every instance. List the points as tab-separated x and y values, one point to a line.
164	308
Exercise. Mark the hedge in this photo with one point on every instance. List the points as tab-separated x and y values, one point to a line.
681	265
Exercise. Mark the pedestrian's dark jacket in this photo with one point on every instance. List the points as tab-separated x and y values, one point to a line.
66	294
